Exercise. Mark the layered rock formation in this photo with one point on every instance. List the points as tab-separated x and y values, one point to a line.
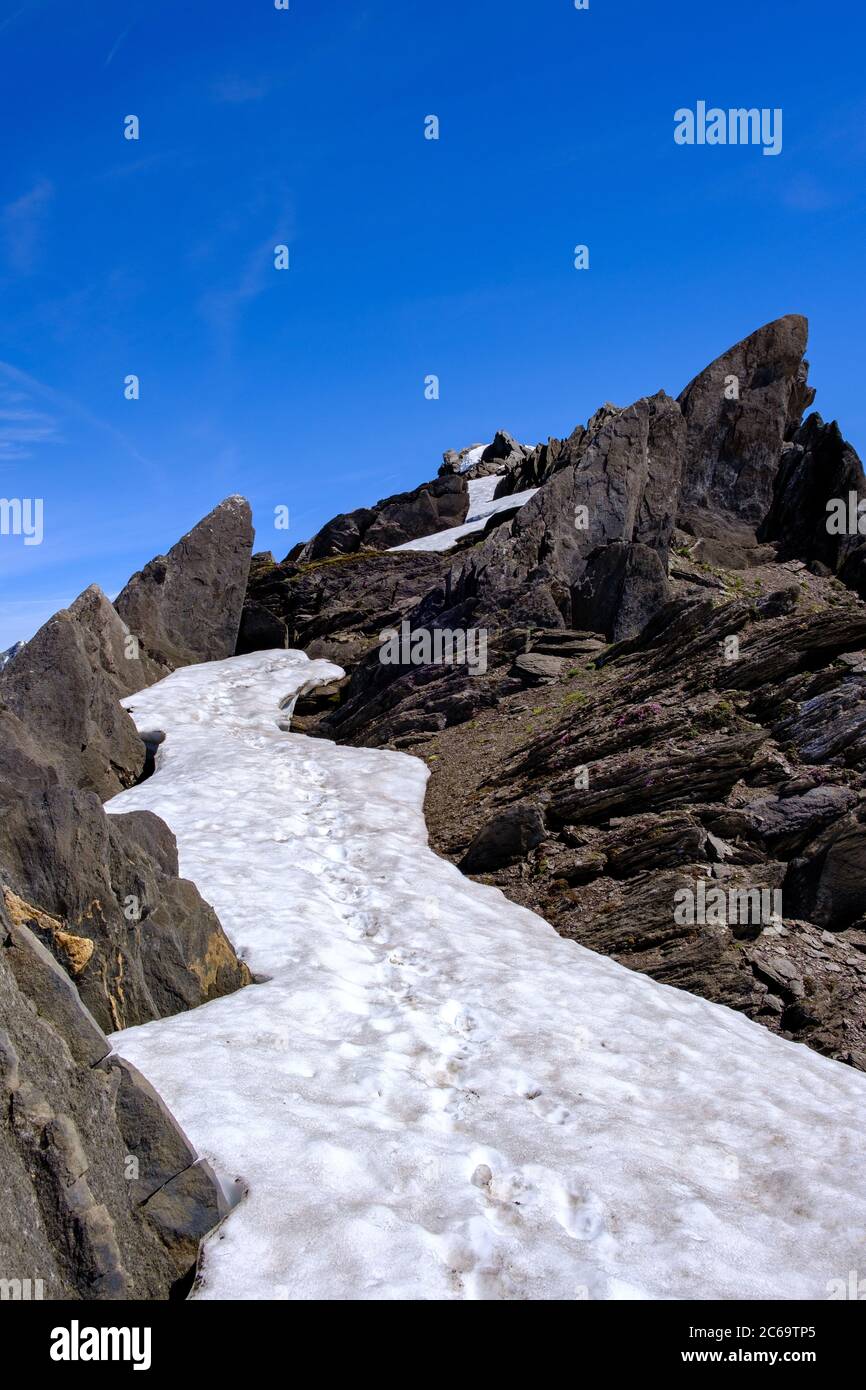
105	1197
673	691
395	520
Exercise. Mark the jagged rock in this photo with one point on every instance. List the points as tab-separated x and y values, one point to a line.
829	724
829	885
622	587
818	466
186	606
627	480
638	843
9	653
160	1147
567	642
185	1209
70	1210
508	836
24	766
64	687
74	875
779	972
540	463
739	412
337	609
579	866
434	506
52	995
719	539
786	824
657	780
260	631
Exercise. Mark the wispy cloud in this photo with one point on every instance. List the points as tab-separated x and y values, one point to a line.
16	14
22	427
22	222
64	403
116	45
222	308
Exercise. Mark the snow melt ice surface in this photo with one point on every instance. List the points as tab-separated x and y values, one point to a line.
481	506
433	1095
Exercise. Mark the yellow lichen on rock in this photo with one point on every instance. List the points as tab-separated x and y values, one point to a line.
77	949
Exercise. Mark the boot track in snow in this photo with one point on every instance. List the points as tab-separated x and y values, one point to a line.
434	1096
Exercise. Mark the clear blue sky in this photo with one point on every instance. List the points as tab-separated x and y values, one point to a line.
305	388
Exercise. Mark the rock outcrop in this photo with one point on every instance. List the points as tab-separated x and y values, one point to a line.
87	1151
622	490
671	700
819	468
104	1196
9	653
739	412
64	685
434	506
104	896
186	606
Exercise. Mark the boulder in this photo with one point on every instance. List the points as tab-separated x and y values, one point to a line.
505	838
622	587
83	1141
103	895
185	606
64	687
537	668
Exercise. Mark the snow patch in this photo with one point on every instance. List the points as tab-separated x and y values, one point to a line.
482	505
435	1096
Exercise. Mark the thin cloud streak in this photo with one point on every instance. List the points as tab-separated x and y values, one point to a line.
38	388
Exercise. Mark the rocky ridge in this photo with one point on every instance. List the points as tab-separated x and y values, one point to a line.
673	696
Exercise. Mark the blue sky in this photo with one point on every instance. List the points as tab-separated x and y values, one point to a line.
409	257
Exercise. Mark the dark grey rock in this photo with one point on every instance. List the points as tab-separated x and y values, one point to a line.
735	445
622	587
77	875
434	506
507	837
64	687
627	479
534	668
70	1213
186	606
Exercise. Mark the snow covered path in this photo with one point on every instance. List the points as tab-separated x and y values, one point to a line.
434	1095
